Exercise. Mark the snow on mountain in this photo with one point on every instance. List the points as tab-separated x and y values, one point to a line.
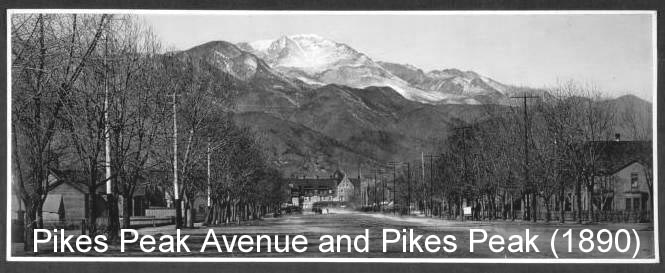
451	81
316	60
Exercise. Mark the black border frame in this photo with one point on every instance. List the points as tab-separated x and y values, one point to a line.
180	267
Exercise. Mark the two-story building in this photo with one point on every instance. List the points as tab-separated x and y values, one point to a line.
339	187
623	184
623	176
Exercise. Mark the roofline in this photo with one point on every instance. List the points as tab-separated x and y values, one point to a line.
625	165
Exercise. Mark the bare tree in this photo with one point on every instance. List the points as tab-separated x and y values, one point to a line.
49	54
137	108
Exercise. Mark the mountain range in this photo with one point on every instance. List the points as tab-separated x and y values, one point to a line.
319	61
321	105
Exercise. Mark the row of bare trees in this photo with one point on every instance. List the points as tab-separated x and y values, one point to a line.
529	155
534	155
94	93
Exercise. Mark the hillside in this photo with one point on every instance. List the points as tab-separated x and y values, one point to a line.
314	117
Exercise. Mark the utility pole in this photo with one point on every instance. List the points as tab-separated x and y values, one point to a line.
383	194
422	167
375	200
107	132
408	182
111	188
209	190
431	182
176	189
529	184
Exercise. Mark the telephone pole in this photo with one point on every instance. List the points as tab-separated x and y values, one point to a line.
375	199
107	130
383	194
176	189
529	184
394	165
209	186
422	167
408	182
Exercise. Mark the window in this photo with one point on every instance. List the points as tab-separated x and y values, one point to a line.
633	180
628	204
636	204
612	182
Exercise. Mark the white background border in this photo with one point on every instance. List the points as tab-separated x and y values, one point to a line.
656	258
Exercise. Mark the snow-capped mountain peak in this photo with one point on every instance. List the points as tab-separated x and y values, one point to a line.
317	60
309	52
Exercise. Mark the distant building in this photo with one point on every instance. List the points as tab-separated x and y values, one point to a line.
305	191
348	189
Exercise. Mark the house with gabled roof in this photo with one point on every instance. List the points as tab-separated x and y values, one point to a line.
71	187
623	176
622	187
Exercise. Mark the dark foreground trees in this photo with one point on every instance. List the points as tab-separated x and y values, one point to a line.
94	94
49	57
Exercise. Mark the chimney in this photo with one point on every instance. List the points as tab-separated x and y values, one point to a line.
617	137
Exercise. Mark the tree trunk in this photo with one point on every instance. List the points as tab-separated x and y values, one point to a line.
512	208
30	224
503	206
534	206
190	216
126	210
209	215
178	213
525	207
562	206
92	212
461	208
578	200
40	214
547	210
590	195
113	228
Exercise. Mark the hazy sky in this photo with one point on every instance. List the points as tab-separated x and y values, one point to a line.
611	51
